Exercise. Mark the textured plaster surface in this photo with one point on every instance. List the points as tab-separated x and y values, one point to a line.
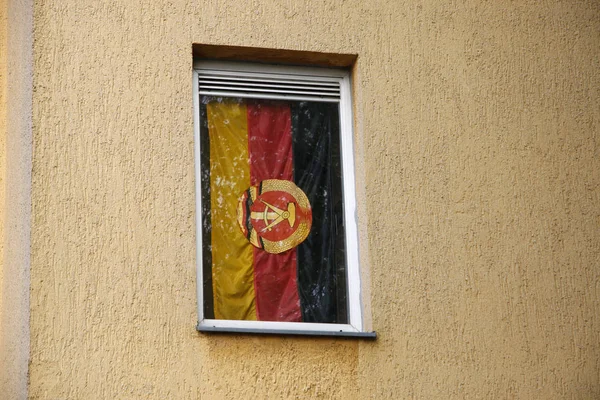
482	130
3	105
479	184
15	194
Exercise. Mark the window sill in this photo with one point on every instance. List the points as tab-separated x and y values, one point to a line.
287	332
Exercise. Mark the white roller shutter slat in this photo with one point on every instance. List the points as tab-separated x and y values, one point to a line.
256	85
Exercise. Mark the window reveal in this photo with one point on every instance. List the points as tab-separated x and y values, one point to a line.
277	234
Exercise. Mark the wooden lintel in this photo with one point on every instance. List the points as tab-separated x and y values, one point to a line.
277	56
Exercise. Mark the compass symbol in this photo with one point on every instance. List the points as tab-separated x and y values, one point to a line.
276	216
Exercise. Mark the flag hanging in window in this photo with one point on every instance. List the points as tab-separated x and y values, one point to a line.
272	211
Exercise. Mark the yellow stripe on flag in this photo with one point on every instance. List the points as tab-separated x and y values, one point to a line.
232	255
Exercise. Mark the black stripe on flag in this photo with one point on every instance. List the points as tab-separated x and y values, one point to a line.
317	171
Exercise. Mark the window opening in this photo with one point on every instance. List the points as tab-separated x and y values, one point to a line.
277	240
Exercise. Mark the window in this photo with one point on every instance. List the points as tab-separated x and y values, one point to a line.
276	229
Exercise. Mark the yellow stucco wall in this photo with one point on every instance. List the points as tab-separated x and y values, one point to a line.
477	130
16	73
3	72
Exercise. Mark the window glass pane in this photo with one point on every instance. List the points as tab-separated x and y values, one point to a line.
272	211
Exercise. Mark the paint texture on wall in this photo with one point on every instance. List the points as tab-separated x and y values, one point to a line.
16	73
477	133
3	106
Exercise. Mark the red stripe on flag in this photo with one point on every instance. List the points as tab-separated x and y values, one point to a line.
271	157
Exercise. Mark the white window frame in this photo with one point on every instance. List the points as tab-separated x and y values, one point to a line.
355	313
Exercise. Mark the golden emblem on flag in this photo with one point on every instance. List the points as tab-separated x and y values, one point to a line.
274	215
